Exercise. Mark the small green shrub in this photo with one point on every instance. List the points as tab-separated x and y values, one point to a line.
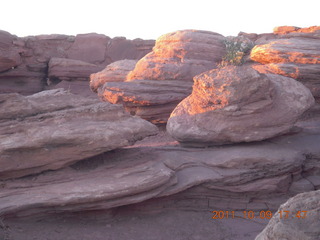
237	48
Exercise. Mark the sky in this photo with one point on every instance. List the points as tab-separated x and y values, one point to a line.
149	19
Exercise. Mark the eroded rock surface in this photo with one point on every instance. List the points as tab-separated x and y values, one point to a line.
237	104
176	58
24	61
114	72
158	174
53	129
68	69
294	53
298	219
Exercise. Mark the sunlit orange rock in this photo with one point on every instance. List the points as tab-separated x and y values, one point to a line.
291	29
180	56
295	56
238	104
163	77
114	72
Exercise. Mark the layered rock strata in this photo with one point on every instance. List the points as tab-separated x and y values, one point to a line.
114	72
176	58
52	129
294	53
161	175
24	61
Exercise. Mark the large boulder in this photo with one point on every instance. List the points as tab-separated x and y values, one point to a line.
114	72
297	219
295	53
180	55
52	129
237	104
177	57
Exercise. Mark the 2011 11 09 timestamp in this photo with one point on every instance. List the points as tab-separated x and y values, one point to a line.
223	214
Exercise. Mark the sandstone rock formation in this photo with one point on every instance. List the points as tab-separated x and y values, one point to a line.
60	69
114	72
294	53
9	57
24	61
237	104
255	176
298	219
176	58
53	129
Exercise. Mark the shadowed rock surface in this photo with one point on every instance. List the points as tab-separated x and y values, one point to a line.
52	129
176	58
237	104
299	219
157	173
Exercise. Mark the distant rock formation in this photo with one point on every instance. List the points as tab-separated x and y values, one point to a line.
237	104
162	78
252	177
24	62
298	219
52	129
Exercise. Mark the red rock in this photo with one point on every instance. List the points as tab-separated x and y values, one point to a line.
290	29
69	69
30	56
89	48
235	177
292	56
9	57
151	100
180	56
237	104
120	48
53	129
176	57
114	72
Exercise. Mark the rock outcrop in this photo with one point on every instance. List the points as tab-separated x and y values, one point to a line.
294	53
114	72
158	174
176	58
9	57
63	69
53	129
24	61
237	104
298	219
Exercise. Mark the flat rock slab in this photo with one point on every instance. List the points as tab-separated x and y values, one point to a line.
250	174
53	129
